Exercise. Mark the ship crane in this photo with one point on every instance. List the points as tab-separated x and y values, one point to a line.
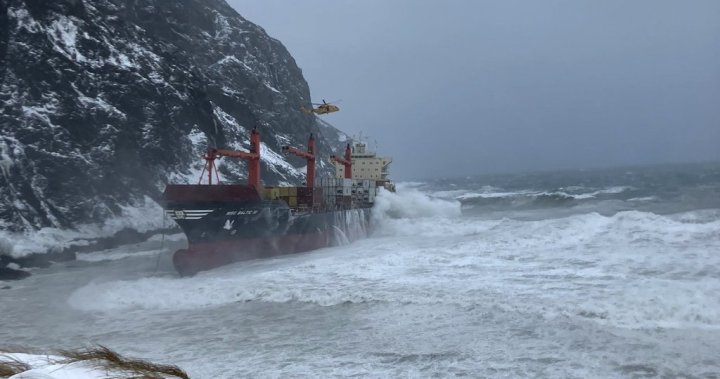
253	158
309	156
346	161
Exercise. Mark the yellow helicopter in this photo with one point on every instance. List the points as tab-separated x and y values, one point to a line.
323	108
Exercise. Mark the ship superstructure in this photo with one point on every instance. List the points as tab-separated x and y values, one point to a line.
365	164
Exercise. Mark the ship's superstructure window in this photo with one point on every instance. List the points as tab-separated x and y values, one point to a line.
377	167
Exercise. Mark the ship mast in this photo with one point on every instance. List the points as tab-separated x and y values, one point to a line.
309	156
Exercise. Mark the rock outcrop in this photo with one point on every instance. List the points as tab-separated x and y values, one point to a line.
103	102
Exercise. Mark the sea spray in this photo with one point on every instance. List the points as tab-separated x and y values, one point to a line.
411	203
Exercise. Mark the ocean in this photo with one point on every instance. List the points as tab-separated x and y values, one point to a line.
605	273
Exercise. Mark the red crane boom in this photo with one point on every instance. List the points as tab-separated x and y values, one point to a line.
253	158
309	156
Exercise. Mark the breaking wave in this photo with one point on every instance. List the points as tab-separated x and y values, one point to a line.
411	203
494	197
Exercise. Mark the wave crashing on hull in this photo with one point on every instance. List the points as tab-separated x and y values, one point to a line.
411	203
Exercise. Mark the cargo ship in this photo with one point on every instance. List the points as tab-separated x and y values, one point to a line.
226	223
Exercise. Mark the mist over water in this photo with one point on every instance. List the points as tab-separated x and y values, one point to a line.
604	273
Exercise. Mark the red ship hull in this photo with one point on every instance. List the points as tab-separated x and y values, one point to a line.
230	223
210	255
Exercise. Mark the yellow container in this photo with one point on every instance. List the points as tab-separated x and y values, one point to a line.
292	191
284	191
292	201
271	193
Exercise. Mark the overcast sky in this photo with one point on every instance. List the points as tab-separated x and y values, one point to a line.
463	87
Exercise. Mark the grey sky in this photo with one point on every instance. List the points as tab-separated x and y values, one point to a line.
469	87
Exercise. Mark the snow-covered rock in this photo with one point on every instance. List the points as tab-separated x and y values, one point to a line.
103	102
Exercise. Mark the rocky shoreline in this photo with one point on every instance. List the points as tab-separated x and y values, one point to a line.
12	268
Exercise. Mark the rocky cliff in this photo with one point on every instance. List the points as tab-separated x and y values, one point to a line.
105	101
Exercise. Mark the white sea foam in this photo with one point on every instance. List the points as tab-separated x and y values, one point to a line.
413	204
495	193
406	185
643	198
610	190
449	194
116	254
168	237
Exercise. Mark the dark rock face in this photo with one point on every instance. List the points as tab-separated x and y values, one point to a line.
7	273
103	102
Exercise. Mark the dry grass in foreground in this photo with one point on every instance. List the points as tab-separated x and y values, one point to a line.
103	357
99	357
10	367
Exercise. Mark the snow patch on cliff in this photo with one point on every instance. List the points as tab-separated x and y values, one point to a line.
270	87
63	34
228	59
229	122
276	163
24	20
121	60
99	103
6	160
41	113
222	27
191	174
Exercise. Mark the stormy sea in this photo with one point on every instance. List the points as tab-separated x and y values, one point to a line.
575	274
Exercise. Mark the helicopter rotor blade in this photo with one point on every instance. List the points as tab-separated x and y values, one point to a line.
327	102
